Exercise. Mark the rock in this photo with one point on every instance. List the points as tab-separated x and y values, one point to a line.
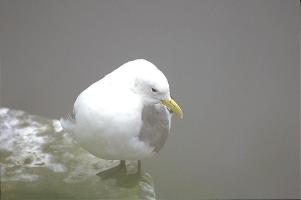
39	160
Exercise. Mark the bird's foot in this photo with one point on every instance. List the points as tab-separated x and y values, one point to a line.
114	172
131	179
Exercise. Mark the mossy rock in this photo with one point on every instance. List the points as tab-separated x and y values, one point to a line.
40	161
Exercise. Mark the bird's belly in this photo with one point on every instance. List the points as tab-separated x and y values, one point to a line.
115	147
111	132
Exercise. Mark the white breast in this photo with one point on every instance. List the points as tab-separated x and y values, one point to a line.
95	127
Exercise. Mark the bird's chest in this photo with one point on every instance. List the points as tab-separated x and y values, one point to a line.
123	119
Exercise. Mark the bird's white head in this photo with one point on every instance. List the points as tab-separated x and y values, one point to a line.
150	83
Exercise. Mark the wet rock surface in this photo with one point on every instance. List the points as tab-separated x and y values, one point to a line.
40	161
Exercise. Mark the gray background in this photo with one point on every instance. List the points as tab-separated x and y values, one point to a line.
232	65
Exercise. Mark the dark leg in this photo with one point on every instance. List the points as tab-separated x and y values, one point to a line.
122	163
132	179
114	172
139	167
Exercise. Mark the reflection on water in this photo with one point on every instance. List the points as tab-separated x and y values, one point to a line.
39	161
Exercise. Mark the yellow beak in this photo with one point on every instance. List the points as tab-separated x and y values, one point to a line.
172	105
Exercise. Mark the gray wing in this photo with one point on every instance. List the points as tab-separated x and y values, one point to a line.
155	125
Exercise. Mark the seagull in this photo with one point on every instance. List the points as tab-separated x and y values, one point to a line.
126	115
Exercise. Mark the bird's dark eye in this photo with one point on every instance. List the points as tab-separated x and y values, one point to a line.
154	90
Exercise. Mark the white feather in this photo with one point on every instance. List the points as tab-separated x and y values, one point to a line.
108	113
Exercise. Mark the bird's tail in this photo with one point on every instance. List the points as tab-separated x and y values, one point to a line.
68	123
